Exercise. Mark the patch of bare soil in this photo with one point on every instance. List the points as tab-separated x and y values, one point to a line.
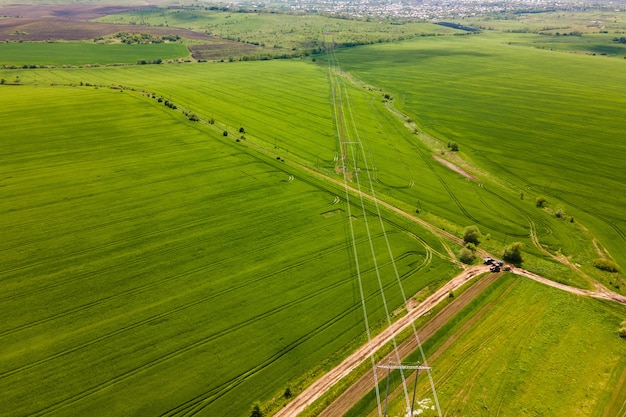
64	11
455	168
46	29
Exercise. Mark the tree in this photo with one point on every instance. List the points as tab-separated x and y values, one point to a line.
288	393
466	255
540	201
256	411
454	147
471	234
513	253
242	130
225	133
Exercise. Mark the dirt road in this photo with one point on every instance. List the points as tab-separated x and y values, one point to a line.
323	384
364	385
603	295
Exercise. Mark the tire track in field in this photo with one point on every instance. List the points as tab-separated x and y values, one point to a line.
147	320
445	185
384	131
199	343
161	281
524	213
200	402
530	186
183	350
476	189
601	217
117	221
133	238
160	316
58	283
472	349
501	168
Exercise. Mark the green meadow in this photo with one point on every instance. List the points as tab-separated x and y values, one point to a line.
523	349
277	31
83	53
151	264
534	121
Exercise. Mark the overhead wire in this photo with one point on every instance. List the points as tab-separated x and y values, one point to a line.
352	235
395	269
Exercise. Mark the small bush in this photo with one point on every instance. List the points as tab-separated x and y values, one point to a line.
559	213
256	411
622	332
466	256
605	265
540	201
513	253
471	234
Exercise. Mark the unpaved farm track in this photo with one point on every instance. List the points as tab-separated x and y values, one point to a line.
323	384
604	294
361	387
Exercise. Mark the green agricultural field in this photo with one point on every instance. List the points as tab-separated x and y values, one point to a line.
525	349
284	106
83	53
278	32
553	129
564	22
152	266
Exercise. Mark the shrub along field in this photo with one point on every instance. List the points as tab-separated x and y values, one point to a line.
151	265
524	349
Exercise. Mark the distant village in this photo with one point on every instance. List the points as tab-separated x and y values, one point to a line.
431	10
